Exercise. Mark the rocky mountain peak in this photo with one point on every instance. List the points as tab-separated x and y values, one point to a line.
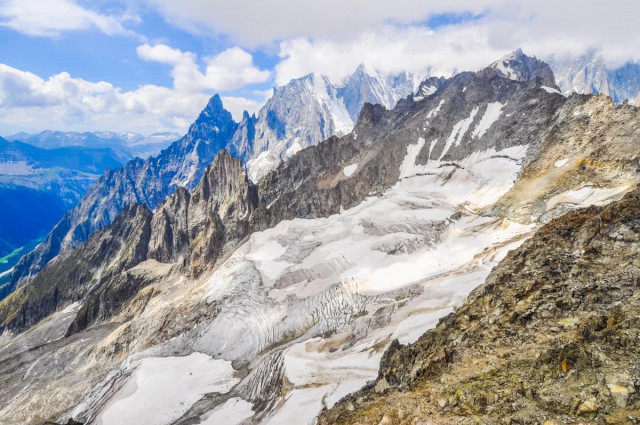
520	67
370	115
213	118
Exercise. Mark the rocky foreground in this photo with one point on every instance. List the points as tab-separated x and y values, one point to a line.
552	337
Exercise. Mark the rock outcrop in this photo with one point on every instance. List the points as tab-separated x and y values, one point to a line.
520	67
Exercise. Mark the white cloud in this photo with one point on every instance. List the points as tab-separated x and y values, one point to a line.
389	50
233	69
164	54
256	23
237	106
52	17
551	26
229	70
28	102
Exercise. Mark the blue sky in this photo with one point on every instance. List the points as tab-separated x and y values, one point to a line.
150	65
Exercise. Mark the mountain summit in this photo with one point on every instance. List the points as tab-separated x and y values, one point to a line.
520	67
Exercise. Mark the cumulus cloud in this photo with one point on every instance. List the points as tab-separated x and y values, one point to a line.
28	102
53	17
229	70
543	29
330	36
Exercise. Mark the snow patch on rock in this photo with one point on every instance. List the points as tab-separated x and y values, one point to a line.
350	169
458	132
491	115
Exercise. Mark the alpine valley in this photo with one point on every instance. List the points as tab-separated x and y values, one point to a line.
391	250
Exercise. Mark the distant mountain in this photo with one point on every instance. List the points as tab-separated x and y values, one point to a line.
37	186
128	145
589	74
17	158
310	109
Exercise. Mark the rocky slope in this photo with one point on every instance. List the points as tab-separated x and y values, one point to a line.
352	243
190	229
551	337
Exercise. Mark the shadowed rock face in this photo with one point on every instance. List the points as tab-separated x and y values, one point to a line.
552	335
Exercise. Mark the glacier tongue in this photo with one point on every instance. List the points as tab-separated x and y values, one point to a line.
309	306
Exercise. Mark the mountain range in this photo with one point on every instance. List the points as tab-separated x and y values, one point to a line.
45	174
300	114
37	186
181	290
126	145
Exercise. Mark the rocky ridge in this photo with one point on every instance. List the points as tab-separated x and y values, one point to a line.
139	181
192	230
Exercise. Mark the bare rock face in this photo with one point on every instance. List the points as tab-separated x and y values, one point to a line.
73	275
551	335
